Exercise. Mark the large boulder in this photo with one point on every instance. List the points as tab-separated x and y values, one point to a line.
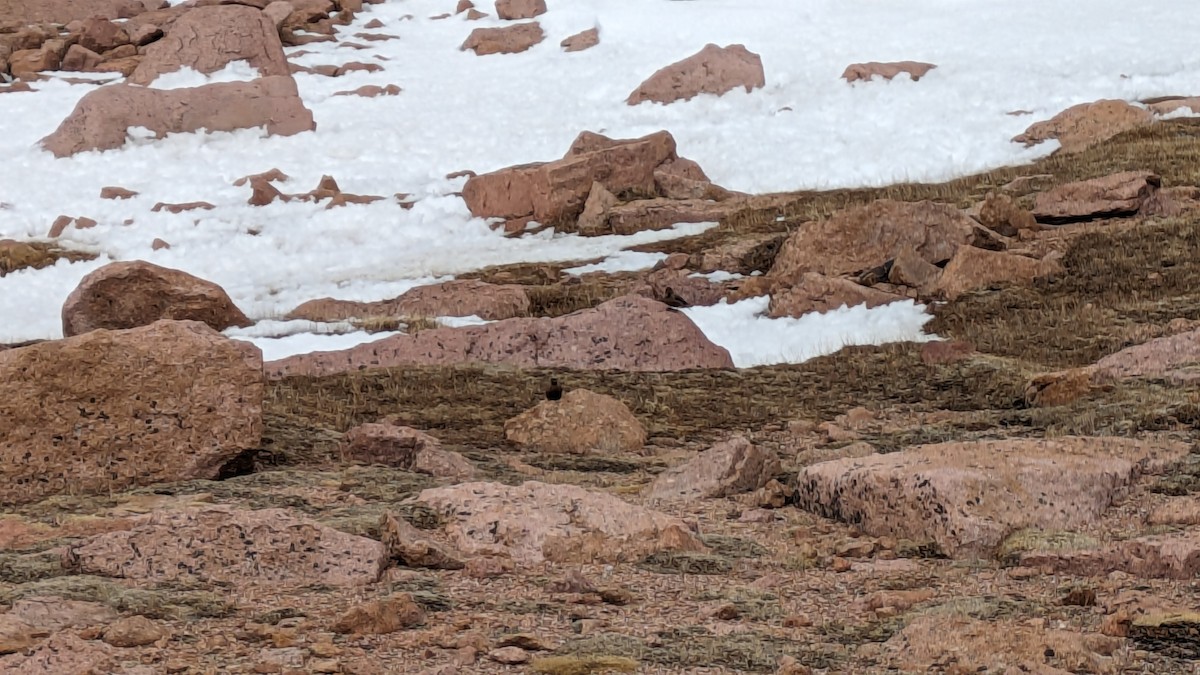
626	333
510	10
228	545
102	117
206	39
466	297
107	410
864	237
727	468
581	422
535	522
1118	194
712	70
1082	126
124	295
554	193
969	496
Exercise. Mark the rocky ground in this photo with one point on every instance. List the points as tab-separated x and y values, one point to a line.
1020	497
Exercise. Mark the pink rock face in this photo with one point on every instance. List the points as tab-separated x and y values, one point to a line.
626	333
1000	213
535	522
555	192
863	237
124	295
819	293
713	70
581	40
1082	126
504	40
519	9
1120	194
582	422
731	467
206	39
100	35
661	214
865	71
404	448
102	117
108	410
466	297
974	268
79	59
224	544
1174	358
968	497
1191	103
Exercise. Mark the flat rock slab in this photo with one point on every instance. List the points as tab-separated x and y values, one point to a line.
727	468
1175	358
224	544
108	410
535	522
967	497
582	422
1167	556
627	333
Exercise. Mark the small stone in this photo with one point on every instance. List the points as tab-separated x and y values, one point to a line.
841	564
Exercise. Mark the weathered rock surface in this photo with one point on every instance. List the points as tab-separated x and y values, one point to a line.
974	268
465	297
107	410
555	192
1082	126
864	237
727	468
102	117
124	295
866	71
504	40
974	646
1174	357
967	497
535	522
661	214
626	333
206	39
1120	194
133	631
404	448
229	545
713	70
581	422
814	292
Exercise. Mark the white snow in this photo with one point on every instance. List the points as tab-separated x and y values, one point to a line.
807	129
718	276
274	348
624	261
754	340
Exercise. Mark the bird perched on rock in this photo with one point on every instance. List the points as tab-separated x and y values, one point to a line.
555	391
672	299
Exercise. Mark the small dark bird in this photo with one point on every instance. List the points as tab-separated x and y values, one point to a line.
555	391
672	299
